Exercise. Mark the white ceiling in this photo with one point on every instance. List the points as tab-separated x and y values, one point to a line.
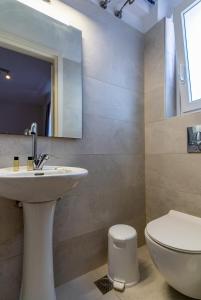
141	14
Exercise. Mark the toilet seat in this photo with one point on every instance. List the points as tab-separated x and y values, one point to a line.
177	231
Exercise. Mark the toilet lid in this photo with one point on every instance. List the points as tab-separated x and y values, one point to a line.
177	231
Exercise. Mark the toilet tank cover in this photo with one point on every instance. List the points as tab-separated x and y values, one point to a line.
177	231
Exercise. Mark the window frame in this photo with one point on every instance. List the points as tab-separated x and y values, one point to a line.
184	102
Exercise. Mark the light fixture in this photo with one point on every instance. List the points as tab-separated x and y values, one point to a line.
7	76
119	13
152	1
6	73
104	3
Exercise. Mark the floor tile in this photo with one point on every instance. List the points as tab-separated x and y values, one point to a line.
83	288
152	286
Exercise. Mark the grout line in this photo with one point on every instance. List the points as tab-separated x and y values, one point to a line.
11	257
136	91
95	154
130	121
174	153
147	187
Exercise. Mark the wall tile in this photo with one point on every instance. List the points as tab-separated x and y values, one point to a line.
107	207
78	255
110	101
170	135
10	220
172	175
154	57
154	106
160	200
103	136
10	278
113	181
180	172
12	247
112	149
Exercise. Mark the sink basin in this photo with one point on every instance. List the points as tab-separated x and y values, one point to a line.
38	191
39	186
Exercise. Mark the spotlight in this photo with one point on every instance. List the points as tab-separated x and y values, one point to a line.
6	73
152	1
7	76
119	12
104	3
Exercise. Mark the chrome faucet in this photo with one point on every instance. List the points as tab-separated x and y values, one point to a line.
38	160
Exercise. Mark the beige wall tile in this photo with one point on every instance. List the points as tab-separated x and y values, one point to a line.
154	105
172	133
179	172
172	175
154	57
160	200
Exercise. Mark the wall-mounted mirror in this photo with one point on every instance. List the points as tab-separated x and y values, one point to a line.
40	73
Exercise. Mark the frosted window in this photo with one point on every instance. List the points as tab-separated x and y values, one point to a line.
192	22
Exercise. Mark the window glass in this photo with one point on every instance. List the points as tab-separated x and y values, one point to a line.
192	27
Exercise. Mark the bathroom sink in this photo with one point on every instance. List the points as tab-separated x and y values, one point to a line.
44	185
38	191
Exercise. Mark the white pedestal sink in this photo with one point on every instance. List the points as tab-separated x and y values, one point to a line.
38	191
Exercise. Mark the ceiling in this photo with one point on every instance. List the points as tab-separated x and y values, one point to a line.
141	14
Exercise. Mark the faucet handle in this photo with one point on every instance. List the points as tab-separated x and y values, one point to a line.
43	157
27	131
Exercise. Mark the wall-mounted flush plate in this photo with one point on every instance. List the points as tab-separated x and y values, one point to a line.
194	139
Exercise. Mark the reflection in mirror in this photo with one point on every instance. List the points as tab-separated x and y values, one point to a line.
25	87
40	73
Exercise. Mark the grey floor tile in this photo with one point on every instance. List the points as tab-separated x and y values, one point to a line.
83	288
152	286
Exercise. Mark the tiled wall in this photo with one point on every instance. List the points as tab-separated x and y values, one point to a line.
112	150
172	175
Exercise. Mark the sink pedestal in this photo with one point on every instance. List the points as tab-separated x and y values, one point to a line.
38	275
34	189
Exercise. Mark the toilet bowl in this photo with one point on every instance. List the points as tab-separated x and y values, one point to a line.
174	243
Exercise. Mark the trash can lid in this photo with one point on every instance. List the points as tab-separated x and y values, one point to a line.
122	232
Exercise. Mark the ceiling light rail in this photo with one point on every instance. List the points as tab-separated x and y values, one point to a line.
119	12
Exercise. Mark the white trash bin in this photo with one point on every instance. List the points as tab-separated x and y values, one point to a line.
123	268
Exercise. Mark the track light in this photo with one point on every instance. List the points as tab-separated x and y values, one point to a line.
7	76
6	73
152	1
104	3
119	13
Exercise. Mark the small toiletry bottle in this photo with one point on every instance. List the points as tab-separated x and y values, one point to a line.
16	164
30	163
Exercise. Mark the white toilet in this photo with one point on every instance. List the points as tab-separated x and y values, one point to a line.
174	242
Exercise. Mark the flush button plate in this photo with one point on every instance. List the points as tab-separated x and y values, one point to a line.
194	139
